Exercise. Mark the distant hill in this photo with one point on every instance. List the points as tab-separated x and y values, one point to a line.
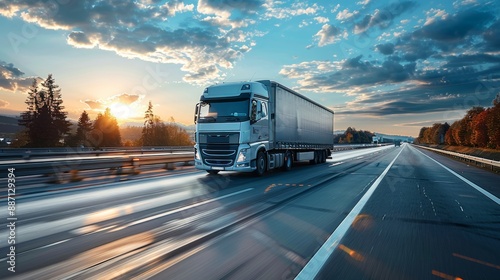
9	126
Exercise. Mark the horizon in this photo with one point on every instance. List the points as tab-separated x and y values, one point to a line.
391	67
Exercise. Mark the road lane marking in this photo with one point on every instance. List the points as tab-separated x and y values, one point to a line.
312	268
478	188
184	208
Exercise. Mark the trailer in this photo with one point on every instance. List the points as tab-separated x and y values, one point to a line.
259	126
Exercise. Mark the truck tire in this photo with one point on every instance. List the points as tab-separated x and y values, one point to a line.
287	166
213	172
260	164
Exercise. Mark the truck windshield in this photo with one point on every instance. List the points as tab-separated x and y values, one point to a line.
224	111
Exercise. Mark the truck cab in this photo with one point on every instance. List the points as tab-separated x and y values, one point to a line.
232	124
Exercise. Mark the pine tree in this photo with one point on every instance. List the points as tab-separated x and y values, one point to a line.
83	128
148	128
45	121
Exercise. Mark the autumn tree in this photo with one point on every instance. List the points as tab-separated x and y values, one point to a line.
106	131
493	124
44	121
449	138
479	137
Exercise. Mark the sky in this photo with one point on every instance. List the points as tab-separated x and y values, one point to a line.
383	66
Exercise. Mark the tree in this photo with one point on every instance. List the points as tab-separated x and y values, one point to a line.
84	127
493	124
44	121
148	128
449	139
479	137
106	130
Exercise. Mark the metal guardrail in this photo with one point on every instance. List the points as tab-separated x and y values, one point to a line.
121	164
61	160
27	153
492	163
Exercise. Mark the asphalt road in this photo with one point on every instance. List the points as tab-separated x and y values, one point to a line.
383	213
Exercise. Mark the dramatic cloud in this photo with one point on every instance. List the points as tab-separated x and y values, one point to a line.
11	78
210	43
456	27
450	63
383	18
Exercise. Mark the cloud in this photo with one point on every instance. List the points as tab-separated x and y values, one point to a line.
146	29
386	49
345	14
126	99
383	18
276	9
446	66
79	40
4	104
456	27
223	8
329	34
11	78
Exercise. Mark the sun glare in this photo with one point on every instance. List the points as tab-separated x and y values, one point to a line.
120	111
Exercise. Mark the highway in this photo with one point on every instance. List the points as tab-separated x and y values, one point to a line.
377	213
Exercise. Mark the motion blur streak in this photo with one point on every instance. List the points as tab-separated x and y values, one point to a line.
355	255
476	261
92	257
445	276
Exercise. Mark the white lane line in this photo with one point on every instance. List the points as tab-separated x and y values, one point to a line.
185	208
312	268
55	243
478	188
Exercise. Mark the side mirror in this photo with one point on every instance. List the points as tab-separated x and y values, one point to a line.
253	111
196	109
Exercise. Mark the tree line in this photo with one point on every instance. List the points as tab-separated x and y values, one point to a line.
353	136
46	125
480	127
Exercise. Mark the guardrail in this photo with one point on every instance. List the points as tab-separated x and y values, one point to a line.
73	162
120	164
477	160
27	153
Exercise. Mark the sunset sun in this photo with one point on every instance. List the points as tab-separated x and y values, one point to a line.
120	111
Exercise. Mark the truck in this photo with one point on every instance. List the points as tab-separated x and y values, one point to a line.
258	126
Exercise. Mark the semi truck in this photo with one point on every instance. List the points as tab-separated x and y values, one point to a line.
258	126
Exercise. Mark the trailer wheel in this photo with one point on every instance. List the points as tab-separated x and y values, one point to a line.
288	161
260	164
323	156
213	172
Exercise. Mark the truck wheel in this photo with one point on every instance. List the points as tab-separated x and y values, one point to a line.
213	172
288	161
260	164
315	159
323	156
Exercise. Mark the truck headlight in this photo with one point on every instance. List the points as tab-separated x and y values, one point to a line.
197	154
242	155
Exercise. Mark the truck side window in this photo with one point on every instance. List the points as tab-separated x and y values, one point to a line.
264	109
259	110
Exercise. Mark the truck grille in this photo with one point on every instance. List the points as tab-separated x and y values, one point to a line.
219	162
218	154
